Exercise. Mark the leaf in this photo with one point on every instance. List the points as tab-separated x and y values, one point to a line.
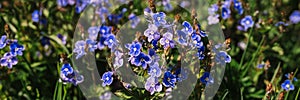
122	95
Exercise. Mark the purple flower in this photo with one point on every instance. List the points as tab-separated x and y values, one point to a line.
281	23
66	72
102	12
3	41
169	79
187	27
213	19
287	85
167	41
100	44
213	9
154	70
206	78
16	49
135	48
152	85
79	48
62	3
9	60
63	38
107	78
222	57
91	44
105	30
141	60
200	52
247	22
167	5
295	17
225	12
238	6
182	37
159	18
260	66
134	20
35	16
93	32
118	59
152	33
110	41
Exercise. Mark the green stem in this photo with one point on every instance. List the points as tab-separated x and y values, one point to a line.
244	53
296	98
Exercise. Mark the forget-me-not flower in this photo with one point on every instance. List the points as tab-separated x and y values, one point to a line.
152	33
107	78
8	60
167	40
152	85
79	49
169	79
3	41
287	85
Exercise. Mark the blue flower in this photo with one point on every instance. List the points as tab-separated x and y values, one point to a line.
135	49
213	9
152	33
35	16
66	72
169	79
225	12
213	19
93	32
16	49
159	18
102	12
222	57
107	78
281	23
91	44
141	60
167	41
154	70
290	76
110	41
287	85
152	85
206	78
63	38
62	3
134	20
182	37
167	5
247	22
79	48
105	30
295	17
80	6
188	28
9	60
118	59
3	41
238	6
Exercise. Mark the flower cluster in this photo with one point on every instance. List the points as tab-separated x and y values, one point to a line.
287	84
69	75
10	58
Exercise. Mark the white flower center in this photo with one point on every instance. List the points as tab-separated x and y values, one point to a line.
134	49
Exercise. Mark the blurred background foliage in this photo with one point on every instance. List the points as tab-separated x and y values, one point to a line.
35	76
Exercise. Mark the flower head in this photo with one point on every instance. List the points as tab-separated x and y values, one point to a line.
135	48
3	41
8	60
159	18
110	41
222	57
287	85
187	27
225	12
167	41
105	30
152	85
16	48
63	38
182	37
79	48
154	70
295	17
181	74
238	6
93	32
134	20
107	78
247	22
213	19
152	33
206	78
35	16
141	60
213	9
91	44
169	79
